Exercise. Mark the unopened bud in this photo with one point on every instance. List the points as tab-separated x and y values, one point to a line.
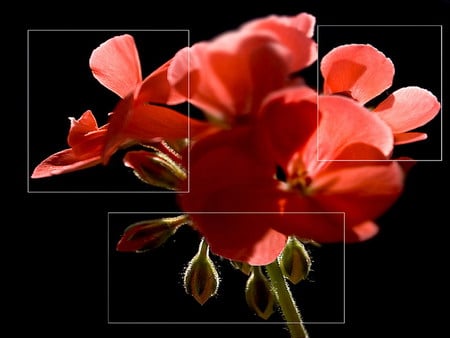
155	168
243	266
258	293
295	262
147	235
201	279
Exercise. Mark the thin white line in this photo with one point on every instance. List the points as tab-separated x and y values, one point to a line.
329	25
189	112
28	116
108	30
105	192
107	273
228	212
344	272
28	110
237	212
441	96
221	323
441	159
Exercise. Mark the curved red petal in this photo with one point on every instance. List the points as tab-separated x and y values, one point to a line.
183	71
361	189
362	232
245	237
301	216
304	22
293	33
227	177
289	119
156	88
356	69
344	122
91	144
259	64
115	64
408	108
405	138
79	128
259	67
226	160
134	122
62	162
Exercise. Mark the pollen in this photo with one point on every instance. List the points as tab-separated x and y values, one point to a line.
301	182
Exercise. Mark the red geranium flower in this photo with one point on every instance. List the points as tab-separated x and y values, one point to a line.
363	72
229	76
115	64
270	172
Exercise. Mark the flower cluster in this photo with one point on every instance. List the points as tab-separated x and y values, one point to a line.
276	159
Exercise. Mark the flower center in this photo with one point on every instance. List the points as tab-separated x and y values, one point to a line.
299	181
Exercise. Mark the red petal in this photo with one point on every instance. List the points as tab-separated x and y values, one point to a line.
404	138
223	160
62	162
362	232
157	89
85	137
79	128
92	143
344	122
134	122
359	70
226	95
304	22
362	189
245	237
408	108
227	176
115	64
289	120
243	89
294	33
183	71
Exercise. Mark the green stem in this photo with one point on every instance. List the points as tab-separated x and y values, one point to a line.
203	247
286	302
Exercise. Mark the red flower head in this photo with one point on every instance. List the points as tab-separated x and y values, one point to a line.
362	72
230	75
270	172
115	64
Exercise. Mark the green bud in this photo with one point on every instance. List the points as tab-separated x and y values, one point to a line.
243	266
201	279
295	262
258	293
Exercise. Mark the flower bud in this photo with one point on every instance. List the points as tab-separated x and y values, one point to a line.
295	262
150	234
201	279
155	168
243	266
258	293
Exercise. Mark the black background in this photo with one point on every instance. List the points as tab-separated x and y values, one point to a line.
58	249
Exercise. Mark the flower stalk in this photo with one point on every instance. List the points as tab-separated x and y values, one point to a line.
285	301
